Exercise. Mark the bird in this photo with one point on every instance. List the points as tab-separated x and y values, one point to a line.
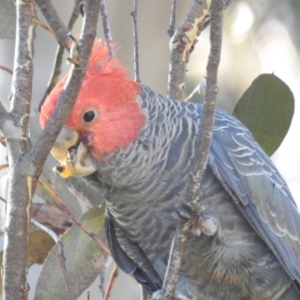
136	147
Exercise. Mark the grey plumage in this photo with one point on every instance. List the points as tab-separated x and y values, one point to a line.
255	253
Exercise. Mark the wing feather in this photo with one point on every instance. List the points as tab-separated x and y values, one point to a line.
145	275
260	192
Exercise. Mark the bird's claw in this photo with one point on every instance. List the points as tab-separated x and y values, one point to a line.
186	211
203	220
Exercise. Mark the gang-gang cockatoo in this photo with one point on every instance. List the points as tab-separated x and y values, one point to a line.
136	147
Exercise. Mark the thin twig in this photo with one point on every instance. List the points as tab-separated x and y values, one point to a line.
3	200
136	42
106	29
59	56
55	22
102	281
41	148
3	167
47	230
62	263
175	259
113	277
6	69
171	29
182	44
207	120
198	89
202	151
44	26
69	214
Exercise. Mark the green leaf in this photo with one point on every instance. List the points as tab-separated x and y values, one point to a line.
267	109
84	260
40	243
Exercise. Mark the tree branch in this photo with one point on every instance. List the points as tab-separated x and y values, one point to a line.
59	55
207	120
136	42
19	194
182	44
9	71
26	166
113	277
171	29
202	152
55	22
40	150
106	29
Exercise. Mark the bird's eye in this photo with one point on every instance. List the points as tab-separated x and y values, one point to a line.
89	116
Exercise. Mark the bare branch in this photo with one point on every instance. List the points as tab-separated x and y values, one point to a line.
207	120
59	55
38	22
55	22
6	69
171	29
106	29
182	44
26	166
62	262
3	200
67	99
174	262
113	277
202	151
19	192
136	42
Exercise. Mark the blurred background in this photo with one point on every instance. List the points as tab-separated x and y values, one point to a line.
259	37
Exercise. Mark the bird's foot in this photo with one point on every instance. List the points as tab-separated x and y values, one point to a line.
203	220
161	295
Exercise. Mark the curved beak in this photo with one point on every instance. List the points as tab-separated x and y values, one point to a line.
72	154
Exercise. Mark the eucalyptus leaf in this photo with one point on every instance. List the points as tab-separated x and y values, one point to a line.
267	109
39	245
84	260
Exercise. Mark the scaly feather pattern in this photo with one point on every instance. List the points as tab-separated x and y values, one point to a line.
143	145
247	258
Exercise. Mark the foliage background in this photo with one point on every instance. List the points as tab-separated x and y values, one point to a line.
260	37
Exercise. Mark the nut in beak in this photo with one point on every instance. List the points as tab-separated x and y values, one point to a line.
72	154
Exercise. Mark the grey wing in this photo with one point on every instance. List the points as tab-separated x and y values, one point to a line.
260	192
130	258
